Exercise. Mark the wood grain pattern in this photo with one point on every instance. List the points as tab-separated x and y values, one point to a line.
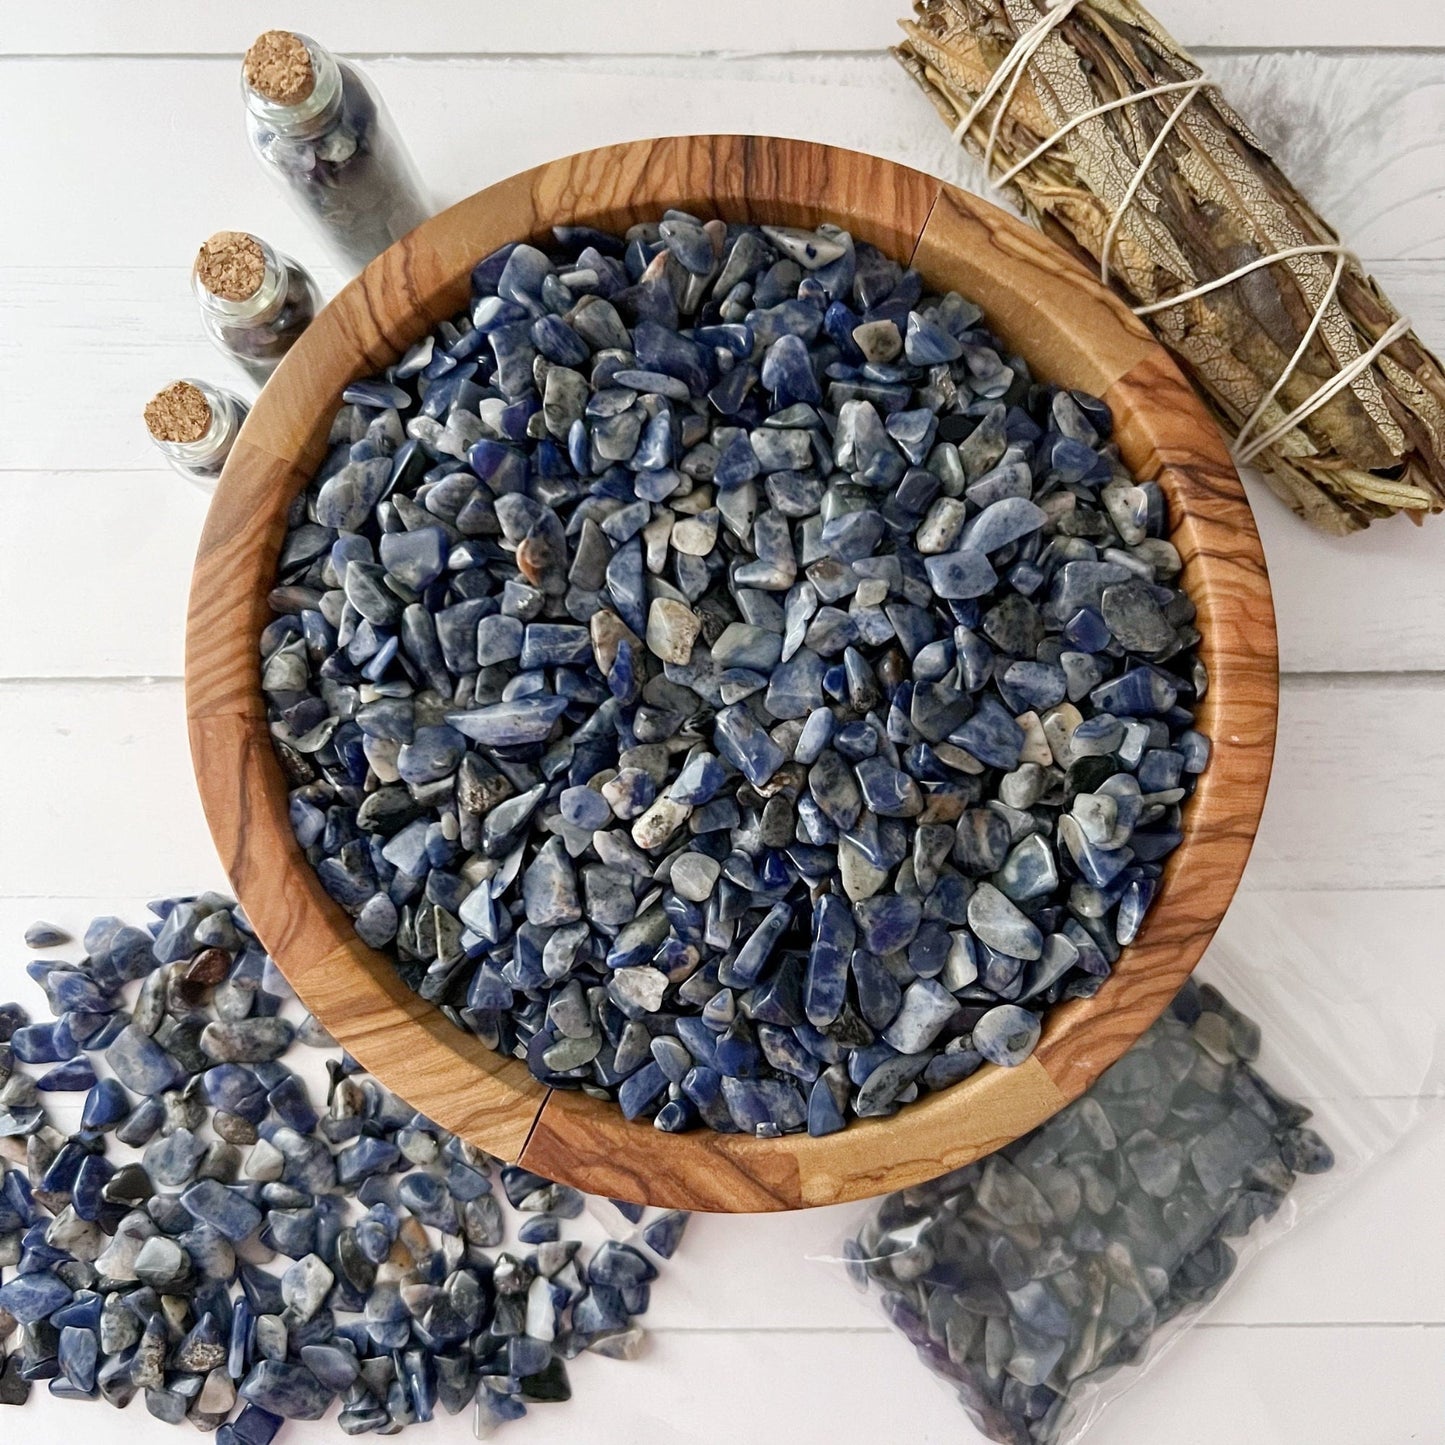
1071	330
577	1139
351	988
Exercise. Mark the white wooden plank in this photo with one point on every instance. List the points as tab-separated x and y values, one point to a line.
471	121
1344	1262
1362	604
1362	136
136	327
123	544
106	797
1365	603
1351	804
1283	1386
1353	795
1271	1386
106	802
592	27
1370	602
780	1272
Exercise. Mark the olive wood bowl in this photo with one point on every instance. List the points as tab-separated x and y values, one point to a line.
1042	304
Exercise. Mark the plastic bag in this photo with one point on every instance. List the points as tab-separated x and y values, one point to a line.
1030	1279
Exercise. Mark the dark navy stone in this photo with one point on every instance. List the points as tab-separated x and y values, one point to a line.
825	1114
825	986
888	922
745	968
991	735
756	1104
962	574
68	1078
1006	1035
1038	685
879	994
79	1355
700	779
228	1212
292	1106
43	1043
665	1233
287	1390
1003	522
365	1156
510	724
640	1089
142	1065
87	1194
34	1296
743	743
926	343
658	349
887	791
834	788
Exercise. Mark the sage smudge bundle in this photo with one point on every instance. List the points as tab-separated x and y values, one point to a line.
1113	141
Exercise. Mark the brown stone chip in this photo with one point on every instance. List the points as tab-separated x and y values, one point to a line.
231	265
278	66
178	414
208	967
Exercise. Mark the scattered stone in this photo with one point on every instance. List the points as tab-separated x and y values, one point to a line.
45	935
159	1275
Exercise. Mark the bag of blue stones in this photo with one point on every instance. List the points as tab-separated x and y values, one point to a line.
1030	1280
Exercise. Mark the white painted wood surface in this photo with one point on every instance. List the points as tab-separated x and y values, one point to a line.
124	149
650	27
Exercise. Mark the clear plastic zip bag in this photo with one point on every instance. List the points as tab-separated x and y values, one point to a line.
1041	1282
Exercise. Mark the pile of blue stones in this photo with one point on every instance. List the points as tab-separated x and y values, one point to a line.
724	679
1027	1279
253	1250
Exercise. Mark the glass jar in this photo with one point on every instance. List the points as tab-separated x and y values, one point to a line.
323	134
194	425
254	301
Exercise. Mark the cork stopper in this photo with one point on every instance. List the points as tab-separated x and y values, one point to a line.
178	414
231	265
278	66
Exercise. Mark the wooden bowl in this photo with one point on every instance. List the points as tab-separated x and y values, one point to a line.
1071	330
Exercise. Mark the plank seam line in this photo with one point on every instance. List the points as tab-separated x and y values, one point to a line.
883	1329
429	57
1247	889
536	1120
1303	678
569	57
27	271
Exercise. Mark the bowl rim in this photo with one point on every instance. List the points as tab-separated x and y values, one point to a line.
1044	305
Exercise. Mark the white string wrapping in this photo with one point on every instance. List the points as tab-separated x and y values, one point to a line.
1008	77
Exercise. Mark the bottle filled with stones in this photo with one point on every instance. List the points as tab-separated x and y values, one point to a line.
254	302
322	132
194	425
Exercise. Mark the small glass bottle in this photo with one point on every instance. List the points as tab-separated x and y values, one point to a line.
324	136
194	426
254	301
